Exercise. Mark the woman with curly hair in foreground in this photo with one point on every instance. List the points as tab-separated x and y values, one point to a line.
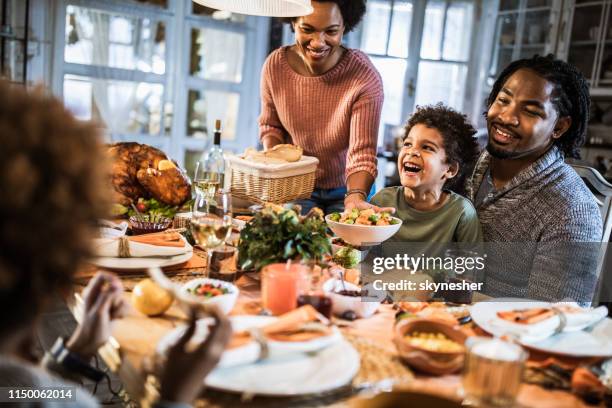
53	192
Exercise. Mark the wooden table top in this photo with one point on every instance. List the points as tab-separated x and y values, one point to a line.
130	350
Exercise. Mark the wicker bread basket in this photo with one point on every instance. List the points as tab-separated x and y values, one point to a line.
273	183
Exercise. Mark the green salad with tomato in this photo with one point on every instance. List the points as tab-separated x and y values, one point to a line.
208	290
152	208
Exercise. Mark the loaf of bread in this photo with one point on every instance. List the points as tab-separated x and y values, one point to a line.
279	154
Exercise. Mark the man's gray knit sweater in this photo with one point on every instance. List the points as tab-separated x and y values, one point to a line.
548	221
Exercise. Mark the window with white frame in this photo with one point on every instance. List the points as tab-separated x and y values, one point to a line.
161	72
445	51
421	49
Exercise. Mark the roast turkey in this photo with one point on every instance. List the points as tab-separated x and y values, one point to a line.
139	170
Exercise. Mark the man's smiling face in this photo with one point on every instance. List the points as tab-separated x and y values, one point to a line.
521	121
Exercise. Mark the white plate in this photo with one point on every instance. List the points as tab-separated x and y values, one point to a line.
141	263
292	369
596	342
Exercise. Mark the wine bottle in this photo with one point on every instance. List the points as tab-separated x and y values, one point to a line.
210	170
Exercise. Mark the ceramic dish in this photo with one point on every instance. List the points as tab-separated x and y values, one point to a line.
363	235
225	302
596	341
425	360
292	369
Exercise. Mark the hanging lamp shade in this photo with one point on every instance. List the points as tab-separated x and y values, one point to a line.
269	8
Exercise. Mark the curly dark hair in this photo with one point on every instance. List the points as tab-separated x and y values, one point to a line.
457	133
570	96
51	184
352	12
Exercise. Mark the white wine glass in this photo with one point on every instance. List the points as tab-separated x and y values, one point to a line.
211	223
205	181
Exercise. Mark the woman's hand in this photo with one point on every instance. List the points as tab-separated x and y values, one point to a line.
103	302
357	201
182	378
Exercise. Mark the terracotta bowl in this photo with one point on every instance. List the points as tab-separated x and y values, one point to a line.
427	361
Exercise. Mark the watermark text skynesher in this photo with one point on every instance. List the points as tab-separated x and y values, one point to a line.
428	285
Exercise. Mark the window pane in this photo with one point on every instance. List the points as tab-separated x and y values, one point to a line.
539	3
400	29
122	106
200	10
217	54
432	31
536	30
509	4
119	41
441	82
458	32
204	107
375	27
392	72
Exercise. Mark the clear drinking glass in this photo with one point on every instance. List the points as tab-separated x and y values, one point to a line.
211	223
206	184
465	271
493	372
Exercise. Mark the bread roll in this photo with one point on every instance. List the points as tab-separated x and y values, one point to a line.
279	154
286	152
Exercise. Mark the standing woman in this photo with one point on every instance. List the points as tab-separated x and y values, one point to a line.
326	98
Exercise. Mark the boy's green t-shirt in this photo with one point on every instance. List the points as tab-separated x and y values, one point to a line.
455	221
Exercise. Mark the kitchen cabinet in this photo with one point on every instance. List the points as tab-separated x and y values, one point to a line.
523	28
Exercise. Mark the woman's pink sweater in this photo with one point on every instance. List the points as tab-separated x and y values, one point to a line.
334	116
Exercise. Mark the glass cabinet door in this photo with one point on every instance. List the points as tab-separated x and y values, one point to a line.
603	73
585	37
523	28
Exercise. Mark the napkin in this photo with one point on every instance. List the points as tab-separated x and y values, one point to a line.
142	246
110	229
545	323
301	324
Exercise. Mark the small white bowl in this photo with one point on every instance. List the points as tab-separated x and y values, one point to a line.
225	303
340	303
363	235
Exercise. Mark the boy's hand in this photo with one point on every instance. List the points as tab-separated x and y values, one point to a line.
357	201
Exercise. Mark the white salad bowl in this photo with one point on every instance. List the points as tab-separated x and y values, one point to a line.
363	235
225	302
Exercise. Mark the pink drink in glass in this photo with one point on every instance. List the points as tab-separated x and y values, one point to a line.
280	286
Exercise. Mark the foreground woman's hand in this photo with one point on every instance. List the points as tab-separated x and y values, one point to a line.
357	201
182	378
103	302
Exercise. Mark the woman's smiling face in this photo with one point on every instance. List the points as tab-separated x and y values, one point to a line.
319	35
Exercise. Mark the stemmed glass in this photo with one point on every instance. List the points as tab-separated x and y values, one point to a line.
206	183
211	223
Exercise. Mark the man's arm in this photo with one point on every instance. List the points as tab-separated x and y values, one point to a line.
567	257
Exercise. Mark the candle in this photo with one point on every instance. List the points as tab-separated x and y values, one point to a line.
281	284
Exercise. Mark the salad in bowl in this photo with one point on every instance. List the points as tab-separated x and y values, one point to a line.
363	227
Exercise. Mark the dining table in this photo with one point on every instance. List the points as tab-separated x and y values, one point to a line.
131	352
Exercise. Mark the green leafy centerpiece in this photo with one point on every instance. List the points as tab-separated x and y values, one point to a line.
277	234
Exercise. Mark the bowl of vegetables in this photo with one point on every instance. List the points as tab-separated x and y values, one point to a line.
212	291
363	227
